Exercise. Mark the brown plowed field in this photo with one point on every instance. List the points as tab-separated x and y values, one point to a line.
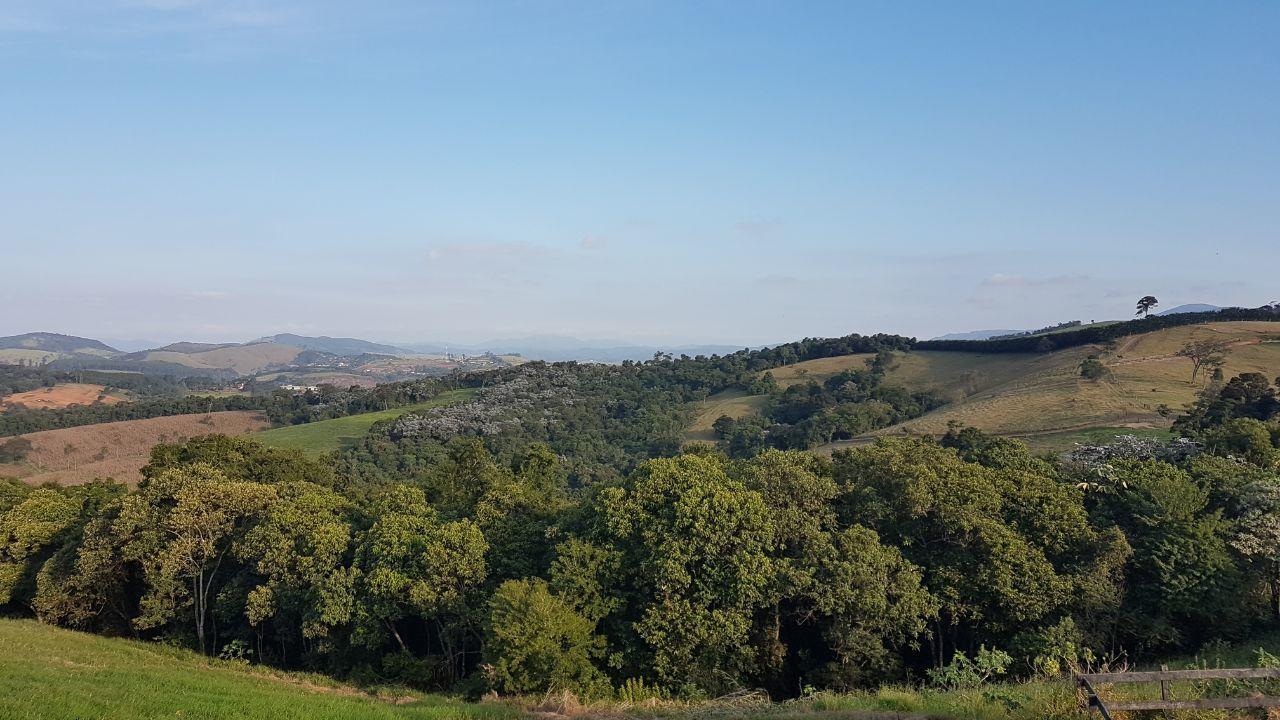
60	396
118	450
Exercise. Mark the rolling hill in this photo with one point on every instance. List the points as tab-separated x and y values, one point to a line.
39	348
1033	396
238	359
1045	393
53	342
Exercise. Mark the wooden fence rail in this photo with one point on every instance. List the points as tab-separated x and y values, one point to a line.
1090	682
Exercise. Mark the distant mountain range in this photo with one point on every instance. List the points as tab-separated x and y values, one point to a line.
53	342
231	360
335	346
976	335
556	348
1191	308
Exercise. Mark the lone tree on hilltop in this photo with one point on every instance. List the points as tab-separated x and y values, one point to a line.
1145	305
1210	353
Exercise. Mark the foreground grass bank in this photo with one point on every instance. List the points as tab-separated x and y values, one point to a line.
51	674
47	673
328	435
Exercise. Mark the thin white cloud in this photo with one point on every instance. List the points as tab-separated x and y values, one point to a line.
150	17
499	251
778	282
758	229
1003	280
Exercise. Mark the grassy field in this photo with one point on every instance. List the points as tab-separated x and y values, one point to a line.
1058	442
52	674
328	435
1040	398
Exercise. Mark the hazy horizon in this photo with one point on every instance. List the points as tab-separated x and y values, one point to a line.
547	339
673	174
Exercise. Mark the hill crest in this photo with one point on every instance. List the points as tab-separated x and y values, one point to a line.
54	342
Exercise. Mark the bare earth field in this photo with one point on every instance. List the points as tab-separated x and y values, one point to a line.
60	396
118	450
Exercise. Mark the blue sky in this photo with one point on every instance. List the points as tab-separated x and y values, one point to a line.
728	172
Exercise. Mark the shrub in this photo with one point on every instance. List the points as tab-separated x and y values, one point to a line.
14	449
1092	368
964	672
1052	650
537	643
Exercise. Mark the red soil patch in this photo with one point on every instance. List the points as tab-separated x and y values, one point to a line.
118	450
60	396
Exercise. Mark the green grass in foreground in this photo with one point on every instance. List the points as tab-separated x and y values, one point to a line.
51	674
328	435
47	673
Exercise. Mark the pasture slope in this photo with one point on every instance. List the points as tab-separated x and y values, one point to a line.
71	456
1040	398
324	436
51	674
243	359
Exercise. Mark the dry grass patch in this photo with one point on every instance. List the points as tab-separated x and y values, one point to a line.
734	403
820	369
13	356
119	450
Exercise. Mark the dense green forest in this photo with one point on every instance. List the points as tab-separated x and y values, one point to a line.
552	533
